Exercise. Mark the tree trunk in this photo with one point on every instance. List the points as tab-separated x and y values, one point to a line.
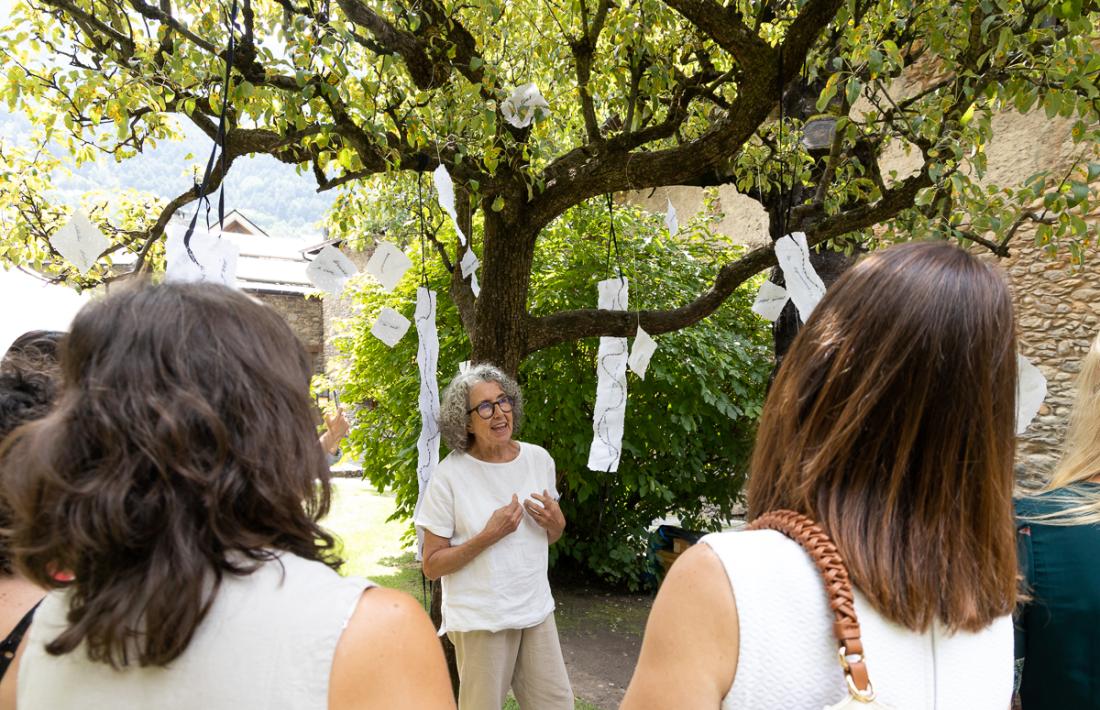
500	314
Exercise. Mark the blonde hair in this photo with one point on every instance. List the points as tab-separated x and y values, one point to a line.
1081	455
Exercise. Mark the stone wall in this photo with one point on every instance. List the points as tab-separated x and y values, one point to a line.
1058	315
306	319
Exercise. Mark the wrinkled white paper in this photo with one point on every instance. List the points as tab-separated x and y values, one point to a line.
610	415
469	263
215	259
640	354
671	221
474	285
390	327
80	242
427	359
1031	390
804	286
330	270
445	189
770	300
464	367
524	106
388	264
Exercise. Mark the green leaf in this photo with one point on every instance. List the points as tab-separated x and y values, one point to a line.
498	203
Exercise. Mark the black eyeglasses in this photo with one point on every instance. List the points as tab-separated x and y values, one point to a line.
485	409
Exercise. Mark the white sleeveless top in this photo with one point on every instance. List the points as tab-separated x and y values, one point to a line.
267	642
788	654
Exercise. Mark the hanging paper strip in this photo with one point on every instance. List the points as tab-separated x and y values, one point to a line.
640	354
80	242
427	359
804	286
210	258
445	190
770	301
610	414
1031	390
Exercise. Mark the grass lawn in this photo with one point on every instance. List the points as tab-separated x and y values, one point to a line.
372	546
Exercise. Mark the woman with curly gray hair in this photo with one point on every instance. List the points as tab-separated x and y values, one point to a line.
491	551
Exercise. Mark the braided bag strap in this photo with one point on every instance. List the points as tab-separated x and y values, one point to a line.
838	588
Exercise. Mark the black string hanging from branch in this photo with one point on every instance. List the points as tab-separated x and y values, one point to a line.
219	142
613	240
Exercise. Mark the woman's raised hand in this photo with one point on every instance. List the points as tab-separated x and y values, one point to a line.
504	520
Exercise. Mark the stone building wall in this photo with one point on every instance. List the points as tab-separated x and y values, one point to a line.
1058	315
306	319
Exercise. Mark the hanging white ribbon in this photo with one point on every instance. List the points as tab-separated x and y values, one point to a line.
609	417
427	359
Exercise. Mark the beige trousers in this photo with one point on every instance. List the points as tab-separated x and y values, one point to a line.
528	660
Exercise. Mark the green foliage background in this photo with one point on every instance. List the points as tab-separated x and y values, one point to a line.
689	424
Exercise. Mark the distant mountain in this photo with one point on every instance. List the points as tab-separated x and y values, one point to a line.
268	192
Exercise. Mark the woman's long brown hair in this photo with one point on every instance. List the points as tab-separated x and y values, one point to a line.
182	449
891	423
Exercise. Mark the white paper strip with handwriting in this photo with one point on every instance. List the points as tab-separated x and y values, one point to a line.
388	264
390	327
212	259
330	270
770	300
641	352
609	418
80	242
427	359
445	190
804	286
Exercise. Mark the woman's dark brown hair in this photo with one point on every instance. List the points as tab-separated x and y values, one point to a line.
182	448
891	423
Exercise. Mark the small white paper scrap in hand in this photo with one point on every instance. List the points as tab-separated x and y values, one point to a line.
80	242
524	105
770	300
445	190
469	263
671	221
804	286
1031	390
330	270
215	258
388	264
640	354
390	327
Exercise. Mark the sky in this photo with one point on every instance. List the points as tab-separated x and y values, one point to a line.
34	305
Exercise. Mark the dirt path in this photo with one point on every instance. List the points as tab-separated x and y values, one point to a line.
601	635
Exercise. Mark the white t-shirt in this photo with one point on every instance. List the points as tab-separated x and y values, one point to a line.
505	587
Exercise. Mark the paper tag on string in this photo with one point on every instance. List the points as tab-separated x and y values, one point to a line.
671	221
804	286
390	327
469	263
212	259
330	270
524	105
388	264
770	300
80	242
445	189
427	360
474	285
1031	390
640	354
609	417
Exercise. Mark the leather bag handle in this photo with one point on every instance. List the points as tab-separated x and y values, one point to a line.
838	588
